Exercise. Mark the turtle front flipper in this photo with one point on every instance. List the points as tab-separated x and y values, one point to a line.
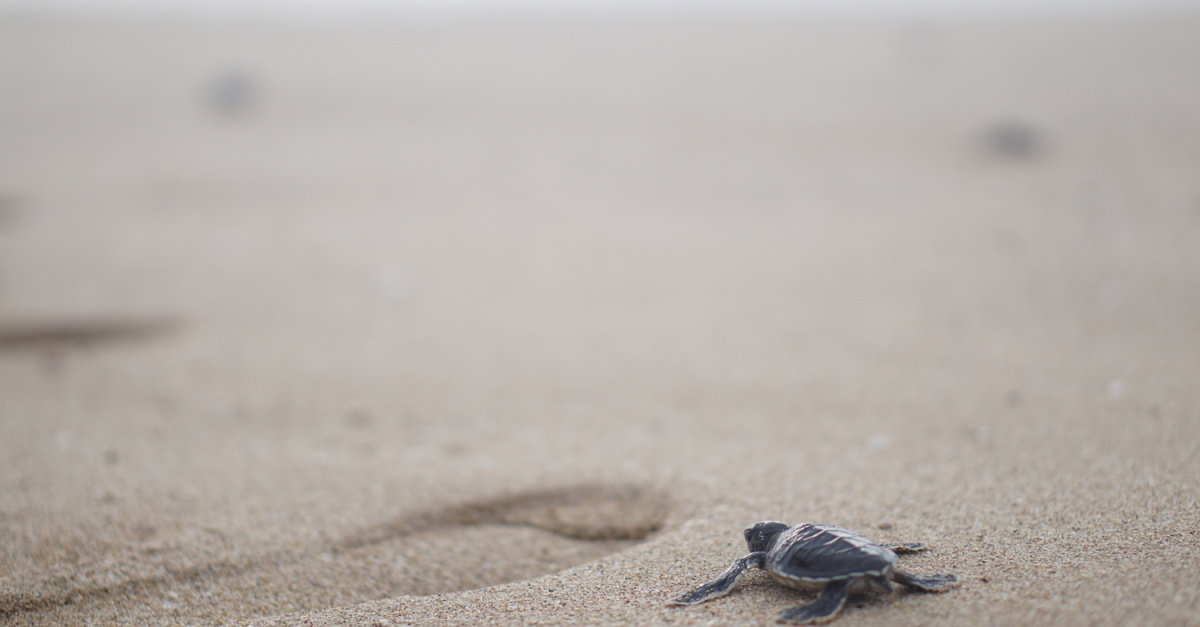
825	608
927	583
723	584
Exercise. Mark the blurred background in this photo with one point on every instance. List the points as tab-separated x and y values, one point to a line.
441	210
450	206
336	160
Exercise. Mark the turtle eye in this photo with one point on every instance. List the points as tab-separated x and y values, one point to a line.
755	539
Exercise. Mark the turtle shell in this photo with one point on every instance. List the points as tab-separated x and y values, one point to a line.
816	553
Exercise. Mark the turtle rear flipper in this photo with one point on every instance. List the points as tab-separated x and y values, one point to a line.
825	608
722	584
928	583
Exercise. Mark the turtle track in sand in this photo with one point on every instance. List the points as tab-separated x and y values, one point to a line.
458	547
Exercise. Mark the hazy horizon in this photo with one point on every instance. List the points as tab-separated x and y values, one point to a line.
470	8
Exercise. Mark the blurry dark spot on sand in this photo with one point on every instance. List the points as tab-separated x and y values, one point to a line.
358	418
1013	139
1013	398
58	333
232	93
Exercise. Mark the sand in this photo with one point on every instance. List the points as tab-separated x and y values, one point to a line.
521	322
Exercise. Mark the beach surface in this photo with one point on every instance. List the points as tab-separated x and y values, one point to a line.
518	322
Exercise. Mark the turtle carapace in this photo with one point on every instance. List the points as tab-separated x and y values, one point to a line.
831	560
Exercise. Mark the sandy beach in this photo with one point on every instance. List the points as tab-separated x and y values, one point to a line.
521	322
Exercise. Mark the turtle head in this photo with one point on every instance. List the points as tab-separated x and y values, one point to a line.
760	535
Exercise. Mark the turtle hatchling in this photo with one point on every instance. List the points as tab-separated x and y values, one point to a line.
831	560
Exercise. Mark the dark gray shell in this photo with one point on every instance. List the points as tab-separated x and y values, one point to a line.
816	553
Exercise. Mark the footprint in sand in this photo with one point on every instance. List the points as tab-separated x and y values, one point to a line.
461	547
516	538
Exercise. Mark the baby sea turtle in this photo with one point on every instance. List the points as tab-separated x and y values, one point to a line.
818	557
